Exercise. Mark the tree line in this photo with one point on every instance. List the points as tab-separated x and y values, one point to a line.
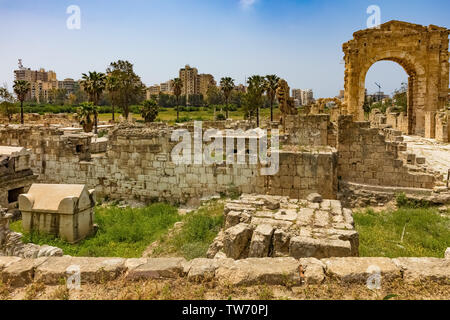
120	87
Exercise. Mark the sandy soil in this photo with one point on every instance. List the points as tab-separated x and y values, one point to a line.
177	289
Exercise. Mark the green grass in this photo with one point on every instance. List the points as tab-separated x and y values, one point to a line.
199	230
202	114
427	234
122	232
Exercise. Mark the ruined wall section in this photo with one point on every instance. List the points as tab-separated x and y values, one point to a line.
366	157
138	165
310	130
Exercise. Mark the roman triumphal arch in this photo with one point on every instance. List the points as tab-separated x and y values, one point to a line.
421	51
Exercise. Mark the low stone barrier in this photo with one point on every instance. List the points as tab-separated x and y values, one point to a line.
19	272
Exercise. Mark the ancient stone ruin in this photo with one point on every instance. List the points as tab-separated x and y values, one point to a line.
16	175
11	242
258	226
66	211
421	51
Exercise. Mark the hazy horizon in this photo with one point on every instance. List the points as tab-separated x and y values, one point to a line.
300	41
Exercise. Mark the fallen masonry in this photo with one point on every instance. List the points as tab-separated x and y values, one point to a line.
259	226
11	242
19	272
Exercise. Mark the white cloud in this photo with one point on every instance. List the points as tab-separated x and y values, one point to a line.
246	4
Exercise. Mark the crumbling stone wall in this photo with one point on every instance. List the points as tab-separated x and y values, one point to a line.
309	130
366	157
11	242
137	165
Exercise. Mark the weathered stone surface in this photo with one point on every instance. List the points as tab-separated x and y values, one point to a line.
21	272
216	246
280	243
261	240
203	269
236	240
252	271
420	269
6	261
156	268
329	232
92	270
358	270
447	253
303	247
312	270
315	198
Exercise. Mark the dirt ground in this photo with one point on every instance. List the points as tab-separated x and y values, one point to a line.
181	289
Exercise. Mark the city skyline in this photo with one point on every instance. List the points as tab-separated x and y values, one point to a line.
305	47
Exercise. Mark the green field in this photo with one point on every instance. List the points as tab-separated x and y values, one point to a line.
406	232
170	115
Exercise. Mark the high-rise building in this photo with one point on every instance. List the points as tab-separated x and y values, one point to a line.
67	84
153	91
167	87
205	81
305	97
41	82
190	80
297	94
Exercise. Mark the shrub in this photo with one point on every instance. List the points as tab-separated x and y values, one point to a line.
404	202
221	117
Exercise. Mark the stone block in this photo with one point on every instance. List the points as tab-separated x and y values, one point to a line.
261	240
359	270
254	271
424	269
92	270
156	268
304	247
236	240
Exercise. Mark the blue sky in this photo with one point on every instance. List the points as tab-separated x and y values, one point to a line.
300	40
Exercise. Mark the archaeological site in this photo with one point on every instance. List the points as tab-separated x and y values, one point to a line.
293	196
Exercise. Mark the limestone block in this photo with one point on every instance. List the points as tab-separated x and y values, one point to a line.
253	271
358	270
203	269
424	269
447	253
261	240
7	261
157	268
312	270
20	273
315	198
303	247
92	270
236	240
280	243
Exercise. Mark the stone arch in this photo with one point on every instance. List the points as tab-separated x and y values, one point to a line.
423	54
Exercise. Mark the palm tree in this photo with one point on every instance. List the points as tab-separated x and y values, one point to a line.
149	110
256	85
84	115
177	86
94	84
112	85
227	86
271	90
21	89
